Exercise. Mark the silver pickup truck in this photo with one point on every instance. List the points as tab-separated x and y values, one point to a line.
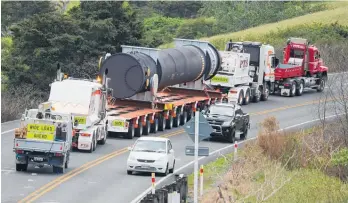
44	140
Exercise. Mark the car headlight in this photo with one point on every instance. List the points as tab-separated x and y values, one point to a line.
132	158
226	123
163	158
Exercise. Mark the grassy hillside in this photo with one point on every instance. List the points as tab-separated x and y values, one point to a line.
336	13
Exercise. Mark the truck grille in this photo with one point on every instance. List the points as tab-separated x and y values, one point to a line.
215	122
146	161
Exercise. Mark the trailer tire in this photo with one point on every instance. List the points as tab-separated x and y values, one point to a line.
246	99
21	167
131	132
299	91
293	89
161	123
147	128
91	149
265	95
154	126
169	122
139	129
94	142
183	118
103	141
244	134
177	120
240	97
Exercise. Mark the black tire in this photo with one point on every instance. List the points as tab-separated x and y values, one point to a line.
167	171
58	169
244	135
154	126
131	131
161	123
240	97
169	122
321	84
246	99
231	136
299	91
139	130
95	143
176	120
147	127
129	172
103	141
21	167
172	170
257	96
183	118
91	149
293	89
265	95
66	164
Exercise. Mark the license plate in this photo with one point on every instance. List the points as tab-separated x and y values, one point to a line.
145	166
281	87
214	130
118	123
38	159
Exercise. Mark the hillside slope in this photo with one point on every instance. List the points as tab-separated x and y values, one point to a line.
337	13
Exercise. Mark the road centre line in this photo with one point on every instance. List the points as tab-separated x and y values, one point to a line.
51	185
137	199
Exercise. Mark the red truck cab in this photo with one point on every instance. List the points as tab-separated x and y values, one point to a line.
302	67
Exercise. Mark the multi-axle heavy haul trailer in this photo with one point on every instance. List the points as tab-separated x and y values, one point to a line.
156	89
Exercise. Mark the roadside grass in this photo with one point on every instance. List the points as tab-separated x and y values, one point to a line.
305	166
336	13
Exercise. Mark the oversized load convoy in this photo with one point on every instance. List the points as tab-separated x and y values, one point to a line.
144	90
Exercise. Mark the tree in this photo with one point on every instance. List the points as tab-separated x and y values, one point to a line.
15	11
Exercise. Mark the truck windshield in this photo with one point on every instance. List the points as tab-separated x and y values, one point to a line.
150	146
296	53
221	110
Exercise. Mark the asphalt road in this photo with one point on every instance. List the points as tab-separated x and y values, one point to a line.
101	176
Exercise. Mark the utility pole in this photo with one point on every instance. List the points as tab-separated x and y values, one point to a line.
195	187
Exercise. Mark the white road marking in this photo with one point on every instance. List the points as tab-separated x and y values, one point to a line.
7	131
137	199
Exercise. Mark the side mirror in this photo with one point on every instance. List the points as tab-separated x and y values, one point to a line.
171	151
129	148
76	123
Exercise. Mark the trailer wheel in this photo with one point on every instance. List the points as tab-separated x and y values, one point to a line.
94	142
241	97
183	118
21	167
244	134
154	126
177	120
299	91
147	127
169	121
131	130
139	130
66	165
91	149
246	99
161	123
293	89
103	141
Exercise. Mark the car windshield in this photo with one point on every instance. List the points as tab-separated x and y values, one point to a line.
150	146
221	110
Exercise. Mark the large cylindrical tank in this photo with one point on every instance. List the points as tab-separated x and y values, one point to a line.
130	73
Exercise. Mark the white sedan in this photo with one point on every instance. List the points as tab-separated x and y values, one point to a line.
151	154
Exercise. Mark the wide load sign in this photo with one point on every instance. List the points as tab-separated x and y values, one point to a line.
41	131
